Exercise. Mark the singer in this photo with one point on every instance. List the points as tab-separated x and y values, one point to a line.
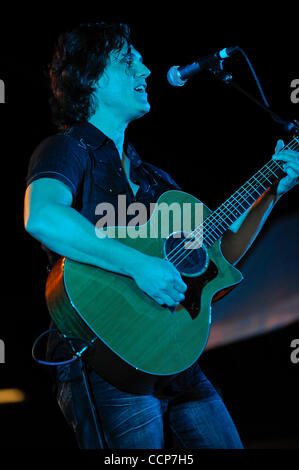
98	82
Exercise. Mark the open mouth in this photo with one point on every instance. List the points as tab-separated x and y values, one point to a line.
140	89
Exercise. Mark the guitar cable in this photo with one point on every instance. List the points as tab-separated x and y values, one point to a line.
74	358
77	356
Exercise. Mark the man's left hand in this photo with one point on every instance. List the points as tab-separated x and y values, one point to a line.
290	167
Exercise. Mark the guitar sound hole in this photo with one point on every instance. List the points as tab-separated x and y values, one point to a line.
188	261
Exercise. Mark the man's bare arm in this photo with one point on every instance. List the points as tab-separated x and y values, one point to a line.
49	218
235	243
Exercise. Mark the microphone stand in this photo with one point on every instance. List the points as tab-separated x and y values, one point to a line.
226	78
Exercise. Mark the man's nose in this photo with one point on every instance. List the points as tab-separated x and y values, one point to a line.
143	71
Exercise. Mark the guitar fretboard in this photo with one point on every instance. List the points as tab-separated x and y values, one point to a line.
222	218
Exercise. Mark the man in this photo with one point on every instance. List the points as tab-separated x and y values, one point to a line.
99	86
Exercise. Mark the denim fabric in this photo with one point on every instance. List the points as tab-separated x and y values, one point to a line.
197	419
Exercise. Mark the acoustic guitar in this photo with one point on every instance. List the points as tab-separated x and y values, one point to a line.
136	341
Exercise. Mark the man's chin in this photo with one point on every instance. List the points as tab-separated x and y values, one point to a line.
147	108
141	112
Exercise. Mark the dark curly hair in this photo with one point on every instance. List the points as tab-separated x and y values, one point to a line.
79	60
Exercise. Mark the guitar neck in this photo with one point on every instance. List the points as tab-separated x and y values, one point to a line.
235	206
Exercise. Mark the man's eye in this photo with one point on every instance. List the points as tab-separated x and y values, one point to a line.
129	59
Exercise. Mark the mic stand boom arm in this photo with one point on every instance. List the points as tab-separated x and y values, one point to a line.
226	77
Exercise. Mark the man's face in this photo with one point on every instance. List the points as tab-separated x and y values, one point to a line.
122	87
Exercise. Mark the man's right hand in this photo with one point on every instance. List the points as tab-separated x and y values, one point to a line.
161	281
49	218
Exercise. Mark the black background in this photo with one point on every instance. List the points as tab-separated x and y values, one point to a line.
208	136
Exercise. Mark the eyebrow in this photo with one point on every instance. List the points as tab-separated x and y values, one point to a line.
134	53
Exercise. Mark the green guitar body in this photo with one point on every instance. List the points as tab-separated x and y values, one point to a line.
137	342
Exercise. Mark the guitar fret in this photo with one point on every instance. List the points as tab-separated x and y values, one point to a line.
213	230
207	236
266	177
240	203
272	171
254	191
244	198
235	206
260	184
249	195
226	214
218	226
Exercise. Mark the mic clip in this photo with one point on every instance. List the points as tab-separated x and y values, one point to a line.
217	71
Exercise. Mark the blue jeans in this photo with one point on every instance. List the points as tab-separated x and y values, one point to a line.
192	419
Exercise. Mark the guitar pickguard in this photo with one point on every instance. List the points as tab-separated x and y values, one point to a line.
195	266
192	301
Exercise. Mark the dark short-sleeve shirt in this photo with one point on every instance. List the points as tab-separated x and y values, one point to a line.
87	161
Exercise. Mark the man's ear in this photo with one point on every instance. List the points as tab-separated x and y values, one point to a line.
102	81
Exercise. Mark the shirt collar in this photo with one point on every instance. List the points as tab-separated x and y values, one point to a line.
132	154
95	139
91	135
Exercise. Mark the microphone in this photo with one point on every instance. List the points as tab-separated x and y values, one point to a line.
178	76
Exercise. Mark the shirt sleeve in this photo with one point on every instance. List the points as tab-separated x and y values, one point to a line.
59	157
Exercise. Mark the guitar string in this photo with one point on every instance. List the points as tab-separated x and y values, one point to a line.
197	239
213	218
272	166
215	214
209	222
292	145
245	192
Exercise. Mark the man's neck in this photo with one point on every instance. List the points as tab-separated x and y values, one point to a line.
112	129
